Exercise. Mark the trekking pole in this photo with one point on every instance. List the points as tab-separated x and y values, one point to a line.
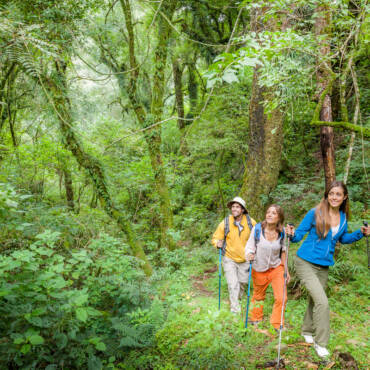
249	291
282	308
367	245
219	279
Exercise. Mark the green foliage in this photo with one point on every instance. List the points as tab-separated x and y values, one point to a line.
70	296
64	308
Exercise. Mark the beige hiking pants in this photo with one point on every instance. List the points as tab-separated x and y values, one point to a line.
317	316
237	277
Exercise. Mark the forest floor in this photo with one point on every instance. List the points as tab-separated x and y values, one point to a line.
196	335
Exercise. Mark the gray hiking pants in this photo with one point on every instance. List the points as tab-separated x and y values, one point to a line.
316	318
236	276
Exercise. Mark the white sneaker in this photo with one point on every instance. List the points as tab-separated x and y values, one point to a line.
308	338
321	351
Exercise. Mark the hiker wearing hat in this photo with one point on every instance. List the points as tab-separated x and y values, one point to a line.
238	227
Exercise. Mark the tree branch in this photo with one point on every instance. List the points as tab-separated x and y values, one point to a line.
345	126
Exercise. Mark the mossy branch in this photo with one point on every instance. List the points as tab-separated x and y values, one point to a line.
326	91
365	131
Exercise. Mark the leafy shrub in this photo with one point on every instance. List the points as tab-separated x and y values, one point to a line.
73	309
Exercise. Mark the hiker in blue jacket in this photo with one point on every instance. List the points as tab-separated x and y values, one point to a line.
326	224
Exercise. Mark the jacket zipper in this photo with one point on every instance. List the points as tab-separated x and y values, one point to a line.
332	237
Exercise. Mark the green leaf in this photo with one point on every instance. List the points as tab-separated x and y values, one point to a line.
81	314
230	76
81	299
25	348
36	339
11	203
100	346
94	363
18	340
94	340
61	340
4	293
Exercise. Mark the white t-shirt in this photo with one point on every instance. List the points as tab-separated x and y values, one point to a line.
335	229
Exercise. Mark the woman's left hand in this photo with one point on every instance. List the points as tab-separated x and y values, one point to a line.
365	230
288	278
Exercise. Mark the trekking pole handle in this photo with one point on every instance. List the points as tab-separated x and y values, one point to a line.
290	224
367	246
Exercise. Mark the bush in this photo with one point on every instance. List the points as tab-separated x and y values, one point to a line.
74	309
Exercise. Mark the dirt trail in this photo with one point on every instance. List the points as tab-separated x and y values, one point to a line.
198	281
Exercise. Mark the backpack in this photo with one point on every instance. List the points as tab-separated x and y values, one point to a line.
227	230
257	236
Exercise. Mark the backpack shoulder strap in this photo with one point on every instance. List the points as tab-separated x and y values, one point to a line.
257	233
249	221
282	237
226	231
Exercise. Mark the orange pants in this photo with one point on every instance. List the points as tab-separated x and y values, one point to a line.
261	280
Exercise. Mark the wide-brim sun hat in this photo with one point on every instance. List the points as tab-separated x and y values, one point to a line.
238	200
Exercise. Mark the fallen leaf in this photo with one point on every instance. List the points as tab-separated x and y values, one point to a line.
329	365
310	365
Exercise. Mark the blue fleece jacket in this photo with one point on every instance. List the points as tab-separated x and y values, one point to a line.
317	250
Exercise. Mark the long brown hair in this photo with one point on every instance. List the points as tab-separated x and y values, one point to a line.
322	209
279	211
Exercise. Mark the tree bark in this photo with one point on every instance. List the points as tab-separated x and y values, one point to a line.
58	88
192	90
322	30
68	184
265	142
177	80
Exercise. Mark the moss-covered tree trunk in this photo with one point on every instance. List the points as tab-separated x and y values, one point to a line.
179	95
264	152
265	142
322	31
192	90
57	89
68	185
153	135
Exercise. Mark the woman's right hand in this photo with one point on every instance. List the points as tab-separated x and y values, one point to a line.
289	230
250	257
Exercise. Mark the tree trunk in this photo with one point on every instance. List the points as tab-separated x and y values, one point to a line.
322	28
192	90
177	79
265	143
68	184
153	135
57	88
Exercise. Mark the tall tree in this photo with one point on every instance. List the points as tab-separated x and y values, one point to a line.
324	76
265	135
47	66
57	89
147	115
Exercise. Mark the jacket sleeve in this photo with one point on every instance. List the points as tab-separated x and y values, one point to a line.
348	238
304	227
251	245
219	234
